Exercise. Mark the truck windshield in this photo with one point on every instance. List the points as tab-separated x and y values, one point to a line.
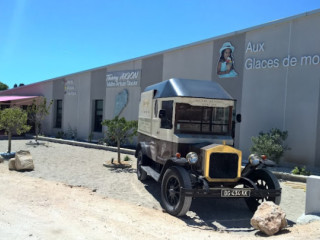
204	120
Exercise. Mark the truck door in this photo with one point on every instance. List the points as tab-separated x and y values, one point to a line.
165	133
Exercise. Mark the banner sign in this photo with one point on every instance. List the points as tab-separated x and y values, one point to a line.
255	62
130	78
69	88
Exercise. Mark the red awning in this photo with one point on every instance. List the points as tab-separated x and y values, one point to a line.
15	98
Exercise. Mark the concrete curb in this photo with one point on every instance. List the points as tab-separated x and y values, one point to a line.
279	175
290	177
87	145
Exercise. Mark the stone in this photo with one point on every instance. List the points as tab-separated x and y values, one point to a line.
269	218
305	219
12	164
1	159
24	160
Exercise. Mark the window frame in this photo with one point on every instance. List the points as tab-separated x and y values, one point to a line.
97	118
58	113
211	124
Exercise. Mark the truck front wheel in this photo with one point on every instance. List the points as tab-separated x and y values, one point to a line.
265	180
173	199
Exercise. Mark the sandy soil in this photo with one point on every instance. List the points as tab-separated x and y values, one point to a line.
70	195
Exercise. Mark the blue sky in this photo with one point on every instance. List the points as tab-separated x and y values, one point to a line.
44	39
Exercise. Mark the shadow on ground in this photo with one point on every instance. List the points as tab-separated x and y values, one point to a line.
212	214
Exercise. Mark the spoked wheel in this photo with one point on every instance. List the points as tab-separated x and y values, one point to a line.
173	199
263	179
141	174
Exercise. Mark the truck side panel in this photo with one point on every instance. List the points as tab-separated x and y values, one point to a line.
145	112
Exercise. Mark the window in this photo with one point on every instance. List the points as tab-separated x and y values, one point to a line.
4	107
98	115
58	122
166	120
205	120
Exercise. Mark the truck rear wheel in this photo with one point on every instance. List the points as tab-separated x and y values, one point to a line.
173	199
141	174
263	179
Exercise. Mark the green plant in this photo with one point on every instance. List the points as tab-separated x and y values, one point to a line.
120	130
90	137
13	120
270	144
110	141
37	111
301	171
71	133
126	158
60	134
3	86
305	172
296	170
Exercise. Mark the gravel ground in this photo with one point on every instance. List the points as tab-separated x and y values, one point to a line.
79	166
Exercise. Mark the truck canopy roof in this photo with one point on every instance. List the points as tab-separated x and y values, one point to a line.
176	87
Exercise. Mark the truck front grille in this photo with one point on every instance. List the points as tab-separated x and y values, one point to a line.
223	165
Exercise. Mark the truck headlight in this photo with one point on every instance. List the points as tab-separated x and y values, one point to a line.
192	157
254	159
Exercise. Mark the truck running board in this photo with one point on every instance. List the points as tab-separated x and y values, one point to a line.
152	173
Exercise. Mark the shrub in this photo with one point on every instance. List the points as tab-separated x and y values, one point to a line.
60	134
71	133
90	137
301	171
270	144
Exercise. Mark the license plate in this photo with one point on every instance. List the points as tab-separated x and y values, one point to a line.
235	193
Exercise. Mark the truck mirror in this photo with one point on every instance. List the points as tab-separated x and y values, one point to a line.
162	113
238	118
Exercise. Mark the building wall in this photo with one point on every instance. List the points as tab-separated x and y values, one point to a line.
98	92
284	96
130	112
263	93
232	85
76	115
301	115
152	71
194	62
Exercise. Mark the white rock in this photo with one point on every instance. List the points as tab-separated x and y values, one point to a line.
304	219
269	218
12	164
24	160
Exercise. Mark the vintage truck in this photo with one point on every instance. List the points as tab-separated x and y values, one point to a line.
185	139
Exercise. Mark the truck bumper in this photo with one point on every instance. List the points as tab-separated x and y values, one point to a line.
232	192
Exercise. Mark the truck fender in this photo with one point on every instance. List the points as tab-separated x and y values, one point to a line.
145	148
173	162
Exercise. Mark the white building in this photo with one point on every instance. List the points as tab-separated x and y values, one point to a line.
275	79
